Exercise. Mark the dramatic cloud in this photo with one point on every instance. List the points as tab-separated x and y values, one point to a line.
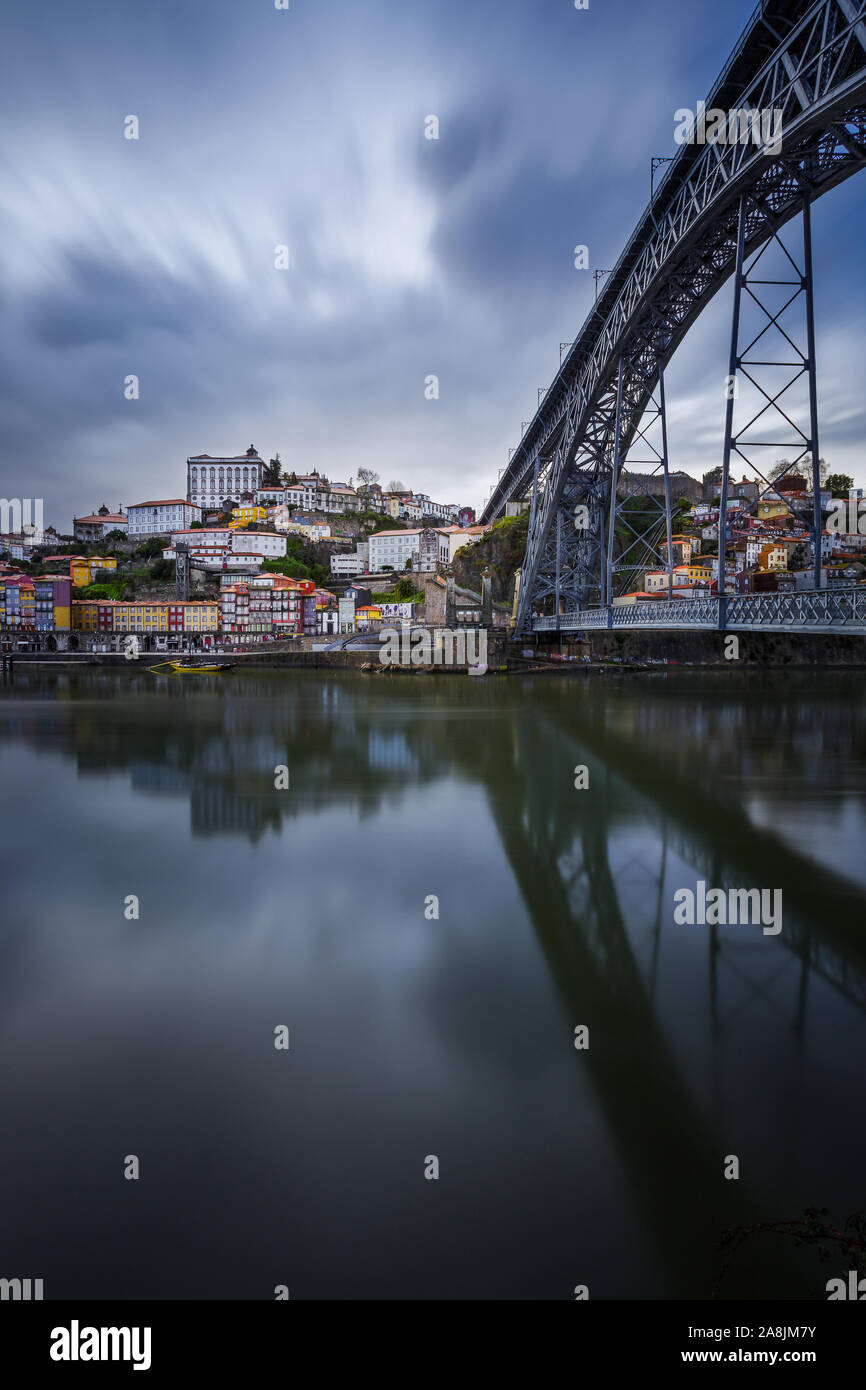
408	257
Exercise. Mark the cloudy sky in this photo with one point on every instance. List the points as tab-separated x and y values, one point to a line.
409	257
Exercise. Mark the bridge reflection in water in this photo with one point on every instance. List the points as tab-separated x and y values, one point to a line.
704	1041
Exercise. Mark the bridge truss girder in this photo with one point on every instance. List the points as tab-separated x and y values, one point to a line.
686	247
798	361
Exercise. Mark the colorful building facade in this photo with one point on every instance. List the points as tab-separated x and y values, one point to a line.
35	605
85	569
146	616
245	514
266	605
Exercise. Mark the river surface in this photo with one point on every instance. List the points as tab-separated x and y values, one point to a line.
431	908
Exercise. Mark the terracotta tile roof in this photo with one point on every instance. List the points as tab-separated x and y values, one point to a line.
167	502
225	458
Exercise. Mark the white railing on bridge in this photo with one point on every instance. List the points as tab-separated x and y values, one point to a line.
824	610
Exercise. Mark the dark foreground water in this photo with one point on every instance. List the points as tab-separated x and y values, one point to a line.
413	1036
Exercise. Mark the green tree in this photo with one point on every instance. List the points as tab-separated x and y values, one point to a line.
152	547
839	484
272	472
110	589
404	589
292	568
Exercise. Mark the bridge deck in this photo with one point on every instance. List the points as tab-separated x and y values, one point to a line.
825	610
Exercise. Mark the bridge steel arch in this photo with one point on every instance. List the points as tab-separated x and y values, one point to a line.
804	58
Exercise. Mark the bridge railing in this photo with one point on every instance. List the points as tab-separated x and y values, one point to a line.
811	608
823	610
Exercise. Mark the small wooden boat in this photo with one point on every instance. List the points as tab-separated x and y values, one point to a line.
181	668
211	668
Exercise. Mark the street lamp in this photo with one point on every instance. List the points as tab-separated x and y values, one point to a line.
596	275
656	163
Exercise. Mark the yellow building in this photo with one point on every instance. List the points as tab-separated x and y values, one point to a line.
93	615
142	617
85	615
79	573
86	569
168	615
366	615
201	617
243	515
700	572
770	508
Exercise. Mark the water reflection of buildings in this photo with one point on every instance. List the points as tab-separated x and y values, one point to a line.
216	809
159	779
391	752
219	747
668	760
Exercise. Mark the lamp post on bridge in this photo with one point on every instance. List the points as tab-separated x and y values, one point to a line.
656	162
596	275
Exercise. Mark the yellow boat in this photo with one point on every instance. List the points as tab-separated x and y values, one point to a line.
206	669
211	668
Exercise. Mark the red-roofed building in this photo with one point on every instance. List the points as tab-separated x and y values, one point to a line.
95	528
266	605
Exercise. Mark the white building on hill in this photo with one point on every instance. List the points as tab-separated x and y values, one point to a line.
395	548
160	518
211	480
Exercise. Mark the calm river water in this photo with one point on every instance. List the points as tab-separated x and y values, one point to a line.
412	1035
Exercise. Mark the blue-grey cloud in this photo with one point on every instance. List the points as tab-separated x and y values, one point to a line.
409	256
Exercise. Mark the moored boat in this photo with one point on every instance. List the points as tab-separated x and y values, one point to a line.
210	668
205	668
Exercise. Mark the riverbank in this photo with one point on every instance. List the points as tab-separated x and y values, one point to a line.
602	650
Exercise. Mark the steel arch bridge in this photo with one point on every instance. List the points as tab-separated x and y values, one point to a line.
714	214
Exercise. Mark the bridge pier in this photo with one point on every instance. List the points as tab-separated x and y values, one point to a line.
750	275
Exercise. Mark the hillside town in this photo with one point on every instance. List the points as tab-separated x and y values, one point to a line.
768	546
251	553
